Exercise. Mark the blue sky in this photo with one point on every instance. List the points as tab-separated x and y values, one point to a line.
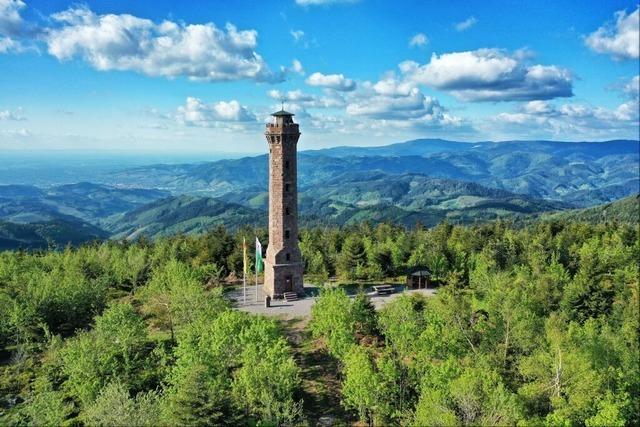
202	76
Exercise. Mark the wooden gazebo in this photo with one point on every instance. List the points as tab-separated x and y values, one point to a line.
419	279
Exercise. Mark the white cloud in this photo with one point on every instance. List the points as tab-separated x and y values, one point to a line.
391	86
412	105
10	19
466	24
333	81
630	110
388	107
571	119
490	75
390	103
196	113
297	67
301	39
620	40
12	115
297	35
332	99
8	44
418	40
632	88
11	25
21	133
537	107
169	49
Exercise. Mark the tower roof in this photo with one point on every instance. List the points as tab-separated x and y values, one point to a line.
282	113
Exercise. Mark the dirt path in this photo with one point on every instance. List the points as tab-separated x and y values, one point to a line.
320	380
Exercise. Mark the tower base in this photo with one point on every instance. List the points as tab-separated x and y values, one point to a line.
281	278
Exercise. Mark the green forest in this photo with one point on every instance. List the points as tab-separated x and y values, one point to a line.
531	325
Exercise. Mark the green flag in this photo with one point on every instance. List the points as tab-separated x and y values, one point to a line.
259	263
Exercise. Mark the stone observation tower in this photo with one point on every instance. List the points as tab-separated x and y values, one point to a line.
283	263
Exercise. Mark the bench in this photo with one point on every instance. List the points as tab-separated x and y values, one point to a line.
290	296
383	289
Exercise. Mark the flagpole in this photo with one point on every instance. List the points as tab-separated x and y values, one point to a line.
244	269
258	267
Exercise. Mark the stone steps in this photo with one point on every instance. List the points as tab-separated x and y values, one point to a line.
290	296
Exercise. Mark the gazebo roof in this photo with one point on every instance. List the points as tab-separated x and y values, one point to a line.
422	273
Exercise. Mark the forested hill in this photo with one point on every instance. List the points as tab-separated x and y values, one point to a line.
406	199
182	214
529	326
48	234
626	211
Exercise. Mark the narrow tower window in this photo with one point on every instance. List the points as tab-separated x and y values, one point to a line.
288	257
286	164
286	188
287	211
286	234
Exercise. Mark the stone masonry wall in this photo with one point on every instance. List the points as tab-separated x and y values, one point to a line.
283	259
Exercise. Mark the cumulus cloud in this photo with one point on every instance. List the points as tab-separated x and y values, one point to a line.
490	75
466	24
332	81
392	103
197	113
168	49
412	105
620	39
572	119
382	108
418	40
391	86
12	115
630	109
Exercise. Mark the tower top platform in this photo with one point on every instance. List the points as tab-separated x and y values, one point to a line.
282	113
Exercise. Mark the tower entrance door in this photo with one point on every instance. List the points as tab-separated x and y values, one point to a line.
288	284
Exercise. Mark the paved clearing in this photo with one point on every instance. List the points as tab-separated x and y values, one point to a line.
302	307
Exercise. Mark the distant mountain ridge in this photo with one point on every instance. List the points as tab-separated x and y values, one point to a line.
582	174
424	147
